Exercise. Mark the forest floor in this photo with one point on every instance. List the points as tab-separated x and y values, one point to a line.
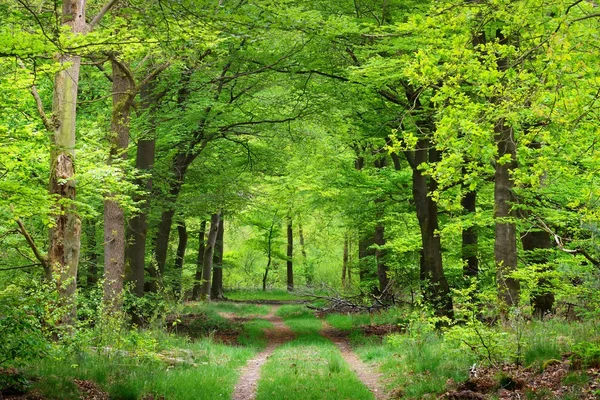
273	351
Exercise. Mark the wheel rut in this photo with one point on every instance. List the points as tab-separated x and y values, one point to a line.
367	375
278	334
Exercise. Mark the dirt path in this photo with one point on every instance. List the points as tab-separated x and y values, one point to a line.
280	333
367	375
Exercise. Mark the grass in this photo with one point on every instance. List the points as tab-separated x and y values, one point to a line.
348	322
259	295
242	310
154	362
308	367
211	373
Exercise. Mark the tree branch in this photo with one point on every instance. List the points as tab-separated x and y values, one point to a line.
101	14
560	245
38	255
40	108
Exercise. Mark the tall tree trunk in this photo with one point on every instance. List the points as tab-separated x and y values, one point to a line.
114	216
65	234
536	245
92	272
469	238
350	259
290	255
180	257
308	271
216	290
138	224
199	266
269	256
505	245
435	285
345	260
382	269
207	260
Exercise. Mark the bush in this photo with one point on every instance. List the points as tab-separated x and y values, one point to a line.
21	314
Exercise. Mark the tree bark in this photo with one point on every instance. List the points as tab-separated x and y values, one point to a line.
180	257
207	260
345	260
65	235
269	256
469	238
290	255
536	245
505	245
201	246
308	271
435	285
382	269
92	273
138	224
114	216
216	290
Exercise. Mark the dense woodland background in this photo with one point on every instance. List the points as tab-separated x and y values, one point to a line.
438	154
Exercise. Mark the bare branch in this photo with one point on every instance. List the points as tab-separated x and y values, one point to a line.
38	255
101	14
560	245
40	108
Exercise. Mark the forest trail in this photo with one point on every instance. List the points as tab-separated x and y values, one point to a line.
367	375
278	334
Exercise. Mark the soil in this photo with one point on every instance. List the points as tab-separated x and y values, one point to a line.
509	382
278	334
367	375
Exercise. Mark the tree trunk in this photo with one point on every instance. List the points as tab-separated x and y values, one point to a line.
269	256
207	260
308	271
382	269
505	245
114	216
345	261
65	234
138	224
435	285
469	238
290	255
536	245
180	257
92	273
216	290
201	246
350	259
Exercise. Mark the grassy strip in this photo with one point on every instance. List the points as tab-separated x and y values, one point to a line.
153	363
242	310
207	370
258	295
308	367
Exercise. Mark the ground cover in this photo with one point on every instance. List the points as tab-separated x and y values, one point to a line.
309	366
263	296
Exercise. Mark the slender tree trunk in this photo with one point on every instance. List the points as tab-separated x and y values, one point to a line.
207	260
382	269
269	256
216	290
536	245
505	245
65	234
469	238
345	261
138	224
180	257
350	259
435	285
308	272
290	255
114	216
92	275
199	266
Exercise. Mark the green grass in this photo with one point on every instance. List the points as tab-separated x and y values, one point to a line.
242	310
211	372
258	295
347	322
308	367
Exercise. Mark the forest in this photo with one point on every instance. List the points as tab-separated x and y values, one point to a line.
299	199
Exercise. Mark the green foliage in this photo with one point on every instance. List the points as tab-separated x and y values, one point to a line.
22	318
